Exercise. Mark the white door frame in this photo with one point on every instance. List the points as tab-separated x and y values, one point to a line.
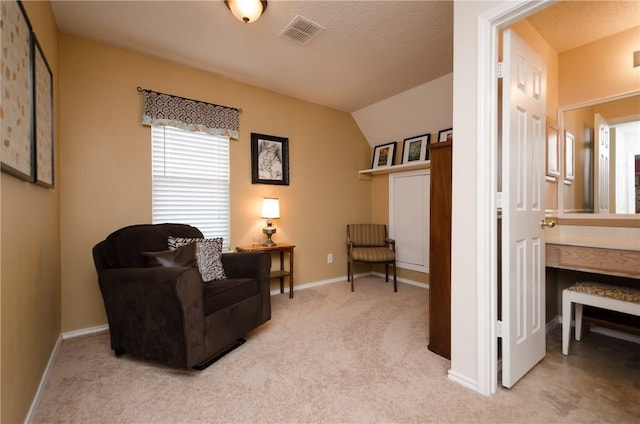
489	24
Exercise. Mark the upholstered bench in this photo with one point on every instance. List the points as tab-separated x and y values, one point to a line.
606	296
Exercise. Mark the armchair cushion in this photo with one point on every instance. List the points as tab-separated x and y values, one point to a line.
183	256
208	255
372	254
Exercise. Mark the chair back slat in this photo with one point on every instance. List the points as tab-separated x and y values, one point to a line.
368	234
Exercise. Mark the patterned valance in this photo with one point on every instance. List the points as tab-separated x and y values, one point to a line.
189	115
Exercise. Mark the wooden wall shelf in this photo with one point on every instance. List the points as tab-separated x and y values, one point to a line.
366	174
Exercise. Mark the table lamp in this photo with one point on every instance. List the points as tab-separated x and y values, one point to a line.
270	210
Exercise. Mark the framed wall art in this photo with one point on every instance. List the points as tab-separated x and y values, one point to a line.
384	155
415	148
445	135
43	85
18	150
269	159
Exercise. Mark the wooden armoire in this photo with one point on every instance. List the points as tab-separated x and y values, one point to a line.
440	249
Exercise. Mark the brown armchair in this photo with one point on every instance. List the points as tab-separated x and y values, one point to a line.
167	313
370	243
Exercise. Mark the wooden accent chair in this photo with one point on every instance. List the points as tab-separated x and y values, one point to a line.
370	243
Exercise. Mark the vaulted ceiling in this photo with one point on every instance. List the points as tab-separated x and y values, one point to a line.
367	52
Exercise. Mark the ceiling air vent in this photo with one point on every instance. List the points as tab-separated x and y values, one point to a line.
301	30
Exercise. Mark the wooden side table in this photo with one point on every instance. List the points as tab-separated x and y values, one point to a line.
281	273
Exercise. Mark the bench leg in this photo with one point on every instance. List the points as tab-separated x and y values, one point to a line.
578	321
566	321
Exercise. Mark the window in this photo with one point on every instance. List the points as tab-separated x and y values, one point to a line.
190	179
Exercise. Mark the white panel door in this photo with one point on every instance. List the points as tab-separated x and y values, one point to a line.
601	177
523	285
409	218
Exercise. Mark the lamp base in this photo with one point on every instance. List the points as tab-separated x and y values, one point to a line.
269	230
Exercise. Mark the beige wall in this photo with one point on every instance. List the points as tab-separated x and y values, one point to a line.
600	69
106	167
30	279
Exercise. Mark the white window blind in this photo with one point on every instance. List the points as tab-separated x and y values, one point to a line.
190	173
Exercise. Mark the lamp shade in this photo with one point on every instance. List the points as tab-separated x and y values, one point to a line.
270	208
247	10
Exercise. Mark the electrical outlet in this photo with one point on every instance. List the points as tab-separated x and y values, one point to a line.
329	258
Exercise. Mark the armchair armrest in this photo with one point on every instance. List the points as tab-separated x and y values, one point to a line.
251	265
391	243
157	312
247	265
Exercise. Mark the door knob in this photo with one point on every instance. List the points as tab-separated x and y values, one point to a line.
544	224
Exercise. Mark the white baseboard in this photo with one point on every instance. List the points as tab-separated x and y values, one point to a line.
553	324
343	279
43	381
463	381
85	331
403	280
609	332
313	284
616	334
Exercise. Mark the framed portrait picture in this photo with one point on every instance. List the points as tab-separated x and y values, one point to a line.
18	150
43	117
269	159
415	148
384	155
569	156
445	135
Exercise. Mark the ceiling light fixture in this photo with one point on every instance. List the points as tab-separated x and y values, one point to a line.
247	11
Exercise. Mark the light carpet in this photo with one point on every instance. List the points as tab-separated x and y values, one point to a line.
332	356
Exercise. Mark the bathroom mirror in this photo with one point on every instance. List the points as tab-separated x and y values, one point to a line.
600	157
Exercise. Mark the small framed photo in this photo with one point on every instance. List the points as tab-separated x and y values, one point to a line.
569	159
415	148
445	135
384	155
269	159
